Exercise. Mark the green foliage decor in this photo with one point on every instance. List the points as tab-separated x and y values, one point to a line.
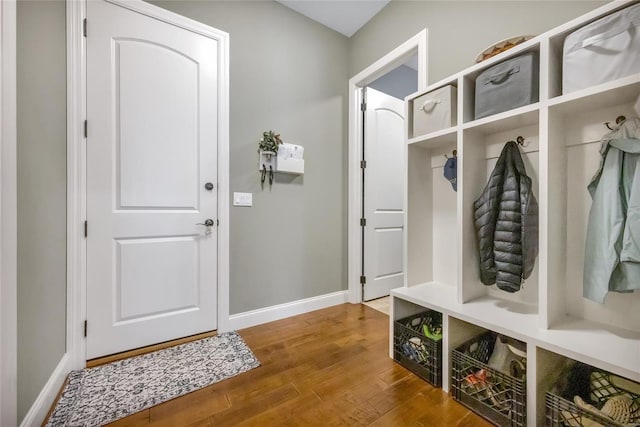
270	141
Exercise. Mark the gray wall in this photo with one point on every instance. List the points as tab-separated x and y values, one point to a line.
458	30
41	93
288	74
399	82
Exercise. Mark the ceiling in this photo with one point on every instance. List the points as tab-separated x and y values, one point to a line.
343	16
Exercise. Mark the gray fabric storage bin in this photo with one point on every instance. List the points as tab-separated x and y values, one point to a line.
510	84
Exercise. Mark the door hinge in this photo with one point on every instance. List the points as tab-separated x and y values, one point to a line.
86	125
85	328
85	228
363	164
217	222
363	280
363	222
84	27
363	106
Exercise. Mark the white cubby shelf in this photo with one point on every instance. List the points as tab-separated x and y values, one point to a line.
562	134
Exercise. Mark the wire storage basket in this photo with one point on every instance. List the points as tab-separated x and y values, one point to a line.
491	393
417	345
590	397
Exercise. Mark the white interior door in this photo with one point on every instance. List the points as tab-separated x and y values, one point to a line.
152	102
383	194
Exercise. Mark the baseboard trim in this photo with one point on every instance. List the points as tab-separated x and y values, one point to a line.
281	311
40	408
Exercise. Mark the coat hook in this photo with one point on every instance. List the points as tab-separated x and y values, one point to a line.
520	141
263	173
455	154
619	120
270	174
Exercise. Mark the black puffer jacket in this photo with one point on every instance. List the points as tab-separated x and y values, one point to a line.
506	221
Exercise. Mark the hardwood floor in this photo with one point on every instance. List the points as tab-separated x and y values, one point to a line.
325	368
380	304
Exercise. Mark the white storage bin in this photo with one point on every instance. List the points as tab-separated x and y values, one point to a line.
601	51
435	110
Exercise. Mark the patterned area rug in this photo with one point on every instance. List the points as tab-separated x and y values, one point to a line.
100	395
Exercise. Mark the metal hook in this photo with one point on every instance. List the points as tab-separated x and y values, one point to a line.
619	120
455	155
270	174
263	173
520	141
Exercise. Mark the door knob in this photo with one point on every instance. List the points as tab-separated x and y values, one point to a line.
206	223
208	186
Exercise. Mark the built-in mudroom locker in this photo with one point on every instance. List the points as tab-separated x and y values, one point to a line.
523	258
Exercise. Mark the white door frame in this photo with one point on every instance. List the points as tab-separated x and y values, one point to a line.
416	44
8	216
76	163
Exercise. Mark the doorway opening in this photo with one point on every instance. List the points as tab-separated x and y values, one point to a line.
382	227
377	159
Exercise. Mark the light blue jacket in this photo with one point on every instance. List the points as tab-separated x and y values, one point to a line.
612	256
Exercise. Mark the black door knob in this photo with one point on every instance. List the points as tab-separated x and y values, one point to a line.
208	186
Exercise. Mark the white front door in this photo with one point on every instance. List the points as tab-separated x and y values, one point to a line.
383	194
152	103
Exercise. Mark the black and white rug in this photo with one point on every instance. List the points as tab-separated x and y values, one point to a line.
100	395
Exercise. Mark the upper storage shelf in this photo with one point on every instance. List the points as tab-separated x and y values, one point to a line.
435	139
620	91
511	119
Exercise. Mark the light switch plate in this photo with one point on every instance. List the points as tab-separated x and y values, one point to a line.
242	199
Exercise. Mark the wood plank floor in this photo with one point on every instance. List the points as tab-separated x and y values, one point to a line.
325	368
